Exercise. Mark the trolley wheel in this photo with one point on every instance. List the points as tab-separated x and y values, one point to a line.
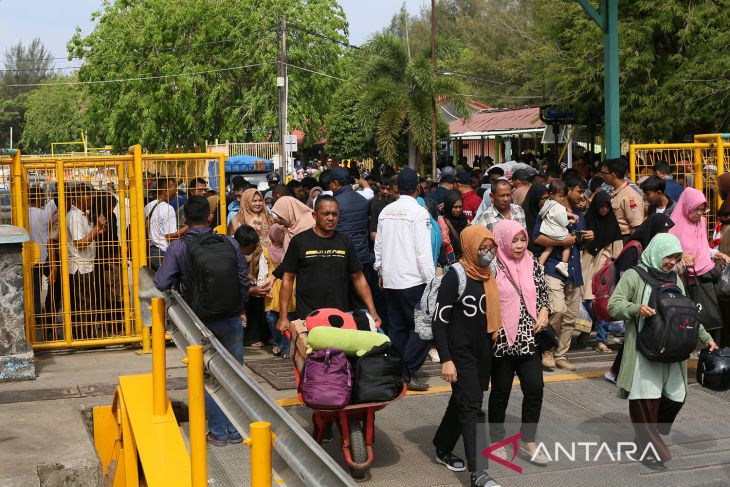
358	450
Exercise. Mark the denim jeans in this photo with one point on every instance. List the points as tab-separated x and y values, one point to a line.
604	327
230	333
156	255
401	327
279	340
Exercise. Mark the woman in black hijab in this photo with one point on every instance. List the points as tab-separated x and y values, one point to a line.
601	219
455	220
532	204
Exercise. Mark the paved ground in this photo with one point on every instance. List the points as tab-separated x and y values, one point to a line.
42	425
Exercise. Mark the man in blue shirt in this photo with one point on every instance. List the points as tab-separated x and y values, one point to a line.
564	292
672	189
228	330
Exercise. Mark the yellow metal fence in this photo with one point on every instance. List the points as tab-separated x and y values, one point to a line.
89	238
696	164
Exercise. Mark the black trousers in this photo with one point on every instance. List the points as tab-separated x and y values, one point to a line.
461	417
650	418
401	327
528	369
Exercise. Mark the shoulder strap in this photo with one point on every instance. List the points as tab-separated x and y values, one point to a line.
652	281
461	275
149	217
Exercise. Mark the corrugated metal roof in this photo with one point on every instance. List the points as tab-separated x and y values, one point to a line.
499	119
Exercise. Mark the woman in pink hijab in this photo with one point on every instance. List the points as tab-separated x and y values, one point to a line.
523	300
690	227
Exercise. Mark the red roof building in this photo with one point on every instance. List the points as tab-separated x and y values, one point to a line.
498	133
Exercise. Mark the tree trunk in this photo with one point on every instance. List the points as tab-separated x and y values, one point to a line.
412	153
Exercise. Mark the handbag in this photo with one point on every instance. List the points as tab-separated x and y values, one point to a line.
702	291
722	286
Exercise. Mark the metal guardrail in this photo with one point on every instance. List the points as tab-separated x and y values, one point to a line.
297	458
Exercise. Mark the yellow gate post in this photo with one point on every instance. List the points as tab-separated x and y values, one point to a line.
138	211
196	407
260	443
159	389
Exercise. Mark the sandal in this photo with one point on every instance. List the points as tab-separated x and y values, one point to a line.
255	345
276	351
284	355
602	348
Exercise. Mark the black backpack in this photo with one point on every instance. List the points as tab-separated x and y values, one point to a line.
671	334
379	375
215	289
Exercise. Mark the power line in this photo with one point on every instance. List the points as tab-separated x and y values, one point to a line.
323	36
315	72
141	78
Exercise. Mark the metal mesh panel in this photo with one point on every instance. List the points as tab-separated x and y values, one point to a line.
693	165
79	260
169	181
5	199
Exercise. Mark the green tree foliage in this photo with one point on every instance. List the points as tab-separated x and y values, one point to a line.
395	97
54	113
346	136
674	59
23	65
166	38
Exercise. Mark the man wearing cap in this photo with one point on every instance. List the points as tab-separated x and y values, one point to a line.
273	179
469	198
404	262
502	207
521	184
446	185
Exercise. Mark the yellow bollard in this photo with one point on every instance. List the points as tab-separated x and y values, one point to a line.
159	369
260	442
196	408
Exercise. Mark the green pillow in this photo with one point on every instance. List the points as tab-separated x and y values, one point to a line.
352	342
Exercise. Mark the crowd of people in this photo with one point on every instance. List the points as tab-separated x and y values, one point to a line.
529	243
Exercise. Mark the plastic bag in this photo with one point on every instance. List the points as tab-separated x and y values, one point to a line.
722	286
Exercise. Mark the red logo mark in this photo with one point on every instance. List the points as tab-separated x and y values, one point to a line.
512	440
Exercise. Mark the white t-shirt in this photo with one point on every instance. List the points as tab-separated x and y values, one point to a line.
80	260
39	219
163	221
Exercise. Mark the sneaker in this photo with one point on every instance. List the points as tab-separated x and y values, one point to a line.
450	461
565	365
416	384
212	440
609	377
234	438
530	452
434	355
483	479
562	269
547	360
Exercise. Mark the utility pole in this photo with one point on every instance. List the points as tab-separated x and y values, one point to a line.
434	151
282	83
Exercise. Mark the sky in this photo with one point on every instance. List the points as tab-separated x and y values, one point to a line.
55	21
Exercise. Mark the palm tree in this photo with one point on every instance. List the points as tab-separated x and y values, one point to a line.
396	94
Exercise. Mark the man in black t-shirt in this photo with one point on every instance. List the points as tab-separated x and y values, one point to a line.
324	263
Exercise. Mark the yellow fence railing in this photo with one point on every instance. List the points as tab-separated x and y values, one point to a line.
696	164
89	237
